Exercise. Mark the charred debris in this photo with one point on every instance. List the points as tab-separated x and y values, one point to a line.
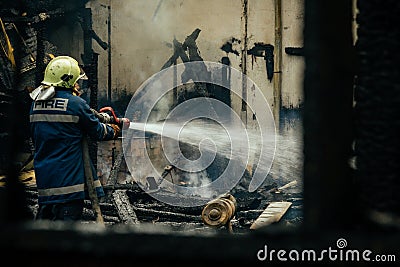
28	45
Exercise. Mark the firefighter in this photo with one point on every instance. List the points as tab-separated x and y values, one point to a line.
59	119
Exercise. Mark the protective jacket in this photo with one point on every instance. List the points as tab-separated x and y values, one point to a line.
57	127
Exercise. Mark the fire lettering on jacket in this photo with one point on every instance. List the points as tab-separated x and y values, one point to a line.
52	104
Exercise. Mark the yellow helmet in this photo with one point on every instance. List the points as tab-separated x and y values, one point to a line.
63	71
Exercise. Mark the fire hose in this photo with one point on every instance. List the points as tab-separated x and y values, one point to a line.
104	117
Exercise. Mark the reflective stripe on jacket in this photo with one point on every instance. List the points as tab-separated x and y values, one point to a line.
57	126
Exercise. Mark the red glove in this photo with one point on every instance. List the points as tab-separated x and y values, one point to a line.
124	123
117	130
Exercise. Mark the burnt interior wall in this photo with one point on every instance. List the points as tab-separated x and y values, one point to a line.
157	25
169	32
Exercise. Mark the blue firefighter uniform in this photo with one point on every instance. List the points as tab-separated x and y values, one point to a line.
58	126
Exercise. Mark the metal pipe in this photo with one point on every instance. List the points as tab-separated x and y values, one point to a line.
109	52
243	60
278	59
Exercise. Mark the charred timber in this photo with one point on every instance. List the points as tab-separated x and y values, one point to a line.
165	215
124	207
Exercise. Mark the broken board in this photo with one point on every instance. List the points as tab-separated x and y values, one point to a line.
273	213
124	207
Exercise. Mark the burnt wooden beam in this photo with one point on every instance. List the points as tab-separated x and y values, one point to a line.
294	51
90	61
166	215
124	207
97	38
112	178
41	39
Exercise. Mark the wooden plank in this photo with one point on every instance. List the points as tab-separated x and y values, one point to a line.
292	183
273	213
112	178
170	216
89	181
124	207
